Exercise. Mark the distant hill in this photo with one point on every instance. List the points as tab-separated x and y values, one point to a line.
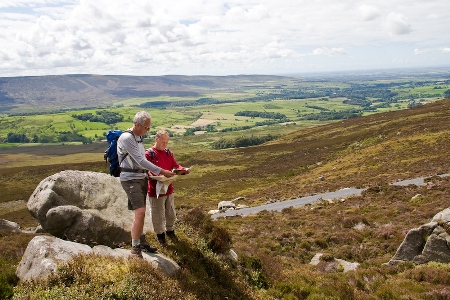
44	93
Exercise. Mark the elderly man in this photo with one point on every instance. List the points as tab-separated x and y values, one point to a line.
134	166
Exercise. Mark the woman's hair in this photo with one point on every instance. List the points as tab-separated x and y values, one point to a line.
160	133
141	117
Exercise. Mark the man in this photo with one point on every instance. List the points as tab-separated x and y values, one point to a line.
134	166
162	202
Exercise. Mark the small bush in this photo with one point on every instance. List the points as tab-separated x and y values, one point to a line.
8	279
438	294
430	274
96	277
321	243
287	291
253	271
217	237
219	240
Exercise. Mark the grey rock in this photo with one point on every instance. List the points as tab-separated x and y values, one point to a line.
9	226
226	205
44	253
82	206
333	265
429	242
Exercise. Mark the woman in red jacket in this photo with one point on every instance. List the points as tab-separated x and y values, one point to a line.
162	202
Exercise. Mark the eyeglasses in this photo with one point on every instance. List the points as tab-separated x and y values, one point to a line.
146	128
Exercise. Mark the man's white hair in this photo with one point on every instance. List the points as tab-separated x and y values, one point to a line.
141	117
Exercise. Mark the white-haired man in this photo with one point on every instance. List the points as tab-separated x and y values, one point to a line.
134	166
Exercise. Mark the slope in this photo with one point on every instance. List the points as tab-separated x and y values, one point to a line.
362	152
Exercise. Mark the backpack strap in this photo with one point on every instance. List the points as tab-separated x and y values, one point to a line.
126	154
152	153
133	170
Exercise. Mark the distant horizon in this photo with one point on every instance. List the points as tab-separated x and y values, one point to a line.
293	74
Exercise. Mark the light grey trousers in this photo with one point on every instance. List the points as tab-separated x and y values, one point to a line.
163	213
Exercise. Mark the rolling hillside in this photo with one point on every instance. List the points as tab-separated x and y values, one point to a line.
361	152
275	249
47	93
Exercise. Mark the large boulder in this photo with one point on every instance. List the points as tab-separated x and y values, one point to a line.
44	253
429	242
82	206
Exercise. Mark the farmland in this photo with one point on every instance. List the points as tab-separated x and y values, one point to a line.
218	108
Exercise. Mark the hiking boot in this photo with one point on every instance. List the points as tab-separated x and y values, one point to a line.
171	235
145	246
162	239
136	251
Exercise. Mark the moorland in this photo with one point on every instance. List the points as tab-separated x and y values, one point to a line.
371	150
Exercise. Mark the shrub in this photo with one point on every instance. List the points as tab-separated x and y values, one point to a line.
96	277
253	270
217	237
8	278
219	240
430	273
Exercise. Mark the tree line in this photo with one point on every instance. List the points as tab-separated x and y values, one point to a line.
259	114
242	141
62	137
107	117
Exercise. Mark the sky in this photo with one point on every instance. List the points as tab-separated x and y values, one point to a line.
220	37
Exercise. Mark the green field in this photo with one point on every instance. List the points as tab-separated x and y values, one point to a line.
221	115
303	103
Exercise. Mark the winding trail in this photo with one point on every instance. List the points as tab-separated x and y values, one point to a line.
298	202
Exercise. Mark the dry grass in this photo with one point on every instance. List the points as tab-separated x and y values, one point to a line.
275	248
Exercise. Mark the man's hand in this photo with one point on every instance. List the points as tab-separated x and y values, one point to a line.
181	171
166	173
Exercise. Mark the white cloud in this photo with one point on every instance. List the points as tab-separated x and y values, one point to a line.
398	24
143	37
445	49
329	51
422	51
368	12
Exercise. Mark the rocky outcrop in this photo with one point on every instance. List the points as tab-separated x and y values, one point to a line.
44	253
429	242
82	206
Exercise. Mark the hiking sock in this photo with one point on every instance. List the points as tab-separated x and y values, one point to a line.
135	242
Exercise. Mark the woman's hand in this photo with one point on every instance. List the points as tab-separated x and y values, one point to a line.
166	173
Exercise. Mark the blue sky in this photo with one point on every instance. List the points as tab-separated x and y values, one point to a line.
215	37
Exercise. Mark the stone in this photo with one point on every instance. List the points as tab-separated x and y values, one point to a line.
44	253
83	206
9	226
333	265
430	242
226	205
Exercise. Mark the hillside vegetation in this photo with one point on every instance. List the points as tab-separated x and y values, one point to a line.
274	248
